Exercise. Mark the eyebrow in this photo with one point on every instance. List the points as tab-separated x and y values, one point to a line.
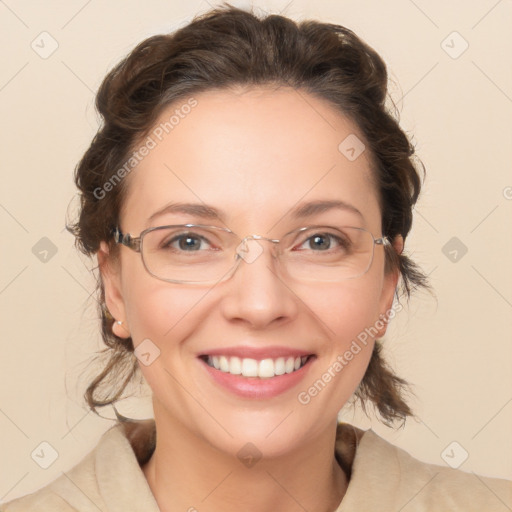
209	212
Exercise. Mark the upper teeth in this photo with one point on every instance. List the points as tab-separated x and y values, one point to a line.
253	368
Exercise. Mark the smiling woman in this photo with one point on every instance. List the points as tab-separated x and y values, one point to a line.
250	261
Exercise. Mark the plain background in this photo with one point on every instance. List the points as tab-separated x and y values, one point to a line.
455	350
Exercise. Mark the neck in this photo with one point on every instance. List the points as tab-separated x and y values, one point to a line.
185	473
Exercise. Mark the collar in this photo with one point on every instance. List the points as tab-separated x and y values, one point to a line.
132	442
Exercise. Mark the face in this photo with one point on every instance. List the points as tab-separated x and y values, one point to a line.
255	157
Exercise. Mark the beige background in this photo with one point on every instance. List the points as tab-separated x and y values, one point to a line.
457	351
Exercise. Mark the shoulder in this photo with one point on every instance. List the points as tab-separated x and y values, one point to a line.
105	479
386	477
64	494
43	499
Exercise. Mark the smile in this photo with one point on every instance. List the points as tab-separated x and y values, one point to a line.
264	368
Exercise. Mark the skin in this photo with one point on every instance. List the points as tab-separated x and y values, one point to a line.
254	154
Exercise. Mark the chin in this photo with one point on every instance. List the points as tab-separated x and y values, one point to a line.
273	433
255	440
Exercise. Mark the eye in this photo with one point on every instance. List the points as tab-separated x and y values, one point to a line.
320	241
324	241
188	242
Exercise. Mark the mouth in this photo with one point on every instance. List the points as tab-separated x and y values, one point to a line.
256	368
256	373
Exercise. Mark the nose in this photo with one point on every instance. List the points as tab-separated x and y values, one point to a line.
256	293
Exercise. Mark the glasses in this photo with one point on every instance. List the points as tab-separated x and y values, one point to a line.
194	253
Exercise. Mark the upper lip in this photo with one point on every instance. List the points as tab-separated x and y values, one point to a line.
258	353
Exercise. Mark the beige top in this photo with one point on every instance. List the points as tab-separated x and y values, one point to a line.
382	476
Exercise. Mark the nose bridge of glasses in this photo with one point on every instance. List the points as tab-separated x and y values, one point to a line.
249	248
259	237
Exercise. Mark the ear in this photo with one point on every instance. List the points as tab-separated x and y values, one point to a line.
111	277
389	288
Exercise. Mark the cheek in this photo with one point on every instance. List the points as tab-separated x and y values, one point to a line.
167	316
347	313
162	314
345	310
158	310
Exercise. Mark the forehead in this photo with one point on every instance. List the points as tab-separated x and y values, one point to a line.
254	153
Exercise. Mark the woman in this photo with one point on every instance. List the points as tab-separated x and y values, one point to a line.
248	197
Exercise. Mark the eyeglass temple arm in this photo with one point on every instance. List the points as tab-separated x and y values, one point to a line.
126	239
382	241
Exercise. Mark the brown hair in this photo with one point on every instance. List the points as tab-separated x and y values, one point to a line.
228	48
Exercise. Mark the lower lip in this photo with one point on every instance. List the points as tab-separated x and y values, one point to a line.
254	387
